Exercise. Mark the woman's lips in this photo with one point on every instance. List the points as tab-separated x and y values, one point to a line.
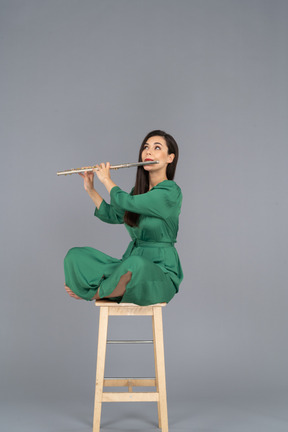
148	160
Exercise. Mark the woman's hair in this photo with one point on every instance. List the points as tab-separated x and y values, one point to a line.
142	176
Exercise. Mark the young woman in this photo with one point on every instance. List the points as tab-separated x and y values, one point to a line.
149	272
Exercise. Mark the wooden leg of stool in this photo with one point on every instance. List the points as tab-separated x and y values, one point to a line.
156	372
160	367
101	354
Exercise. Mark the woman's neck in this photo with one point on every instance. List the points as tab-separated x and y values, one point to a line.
156	179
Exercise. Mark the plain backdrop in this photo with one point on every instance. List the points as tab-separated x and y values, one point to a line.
83	82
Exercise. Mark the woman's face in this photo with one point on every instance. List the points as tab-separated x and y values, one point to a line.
155	149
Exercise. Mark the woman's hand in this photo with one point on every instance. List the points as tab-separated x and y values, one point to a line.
88	177
103	172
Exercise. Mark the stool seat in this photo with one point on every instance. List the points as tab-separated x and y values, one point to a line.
105	302
112	308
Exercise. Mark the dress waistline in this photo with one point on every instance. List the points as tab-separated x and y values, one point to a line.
152	244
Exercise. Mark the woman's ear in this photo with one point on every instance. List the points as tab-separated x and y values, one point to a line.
171	157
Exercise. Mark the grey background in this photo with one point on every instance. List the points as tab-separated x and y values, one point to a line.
83	82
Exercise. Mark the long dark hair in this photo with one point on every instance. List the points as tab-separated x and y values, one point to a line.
142	176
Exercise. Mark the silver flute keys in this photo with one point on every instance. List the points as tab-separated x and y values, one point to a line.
92	168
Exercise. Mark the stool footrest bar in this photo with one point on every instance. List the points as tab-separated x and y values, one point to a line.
129	341
130	397
127	382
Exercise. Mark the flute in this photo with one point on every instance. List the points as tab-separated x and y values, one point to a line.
92	168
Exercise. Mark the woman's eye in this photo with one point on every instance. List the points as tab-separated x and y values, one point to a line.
145	147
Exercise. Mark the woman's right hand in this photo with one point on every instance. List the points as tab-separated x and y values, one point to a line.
88	177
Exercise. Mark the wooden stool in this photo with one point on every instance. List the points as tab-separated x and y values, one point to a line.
109	308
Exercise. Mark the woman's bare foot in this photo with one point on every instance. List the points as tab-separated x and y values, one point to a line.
71	293
96	296
120	289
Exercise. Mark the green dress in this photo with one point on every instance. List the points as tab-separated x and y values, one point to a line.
151	256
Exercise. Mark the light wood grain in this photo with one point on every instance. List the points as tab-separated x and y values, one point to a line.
108	308
101	355
130	397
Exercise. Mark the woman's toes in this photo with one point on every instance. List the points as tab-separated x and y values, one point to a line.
71	293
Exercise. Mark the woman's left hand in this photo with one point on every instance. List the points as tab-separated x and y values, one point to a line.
103	171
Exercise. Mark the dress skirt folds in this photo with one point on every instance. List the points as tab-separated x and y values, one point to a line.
151	256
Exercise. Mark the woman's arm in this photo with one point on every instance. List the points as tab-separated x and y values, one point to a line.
89	187
103	211
161	201
109	214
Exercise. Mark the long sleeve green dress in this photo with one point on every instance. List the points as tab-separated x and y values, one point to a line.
151	256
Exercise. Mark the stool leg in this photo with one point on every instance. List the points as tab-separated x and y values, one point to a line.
101	355
156	372
160	367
